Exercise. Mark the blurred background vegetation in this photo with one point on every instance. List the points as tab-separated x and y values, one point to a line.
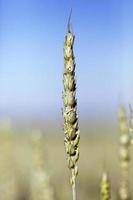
98	153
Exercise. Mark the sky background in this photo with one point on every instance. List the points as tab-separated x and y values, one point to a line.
31	55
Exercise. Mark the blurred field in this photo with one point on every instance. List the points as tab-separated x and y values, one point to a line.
94	152
98	152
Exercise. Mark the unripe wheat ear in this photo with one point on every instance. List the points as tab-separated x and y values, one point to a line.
105	187
124	155
71	128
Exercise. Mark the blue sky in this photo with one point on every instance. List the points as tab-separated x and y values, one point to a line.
31	53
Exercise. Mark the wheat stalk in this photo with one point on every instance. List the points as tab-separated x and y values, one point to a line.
105	187
71	128
125	141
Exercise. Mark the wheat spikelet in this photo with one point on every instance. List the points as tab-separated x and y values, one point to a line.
125	141
40	182
105	187
71	128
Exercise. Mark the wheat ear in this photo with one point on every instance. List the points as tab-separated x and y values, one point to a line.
125	141
131	123
41	188
71	128
105	187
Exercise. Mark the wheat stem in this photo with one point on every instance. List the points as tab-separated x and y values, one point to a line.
74	194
